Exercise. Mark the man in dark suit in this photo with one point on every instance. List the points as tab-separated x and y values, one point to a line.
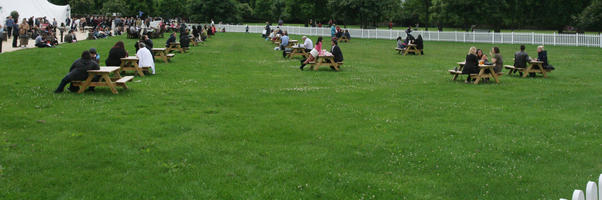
336	52
521	58
78	72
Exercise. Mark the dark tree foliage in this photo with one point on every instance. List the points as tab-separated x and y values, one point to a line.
466	14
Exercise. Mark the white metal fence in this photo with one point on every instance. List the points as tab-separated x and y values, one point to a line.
554	39
592	192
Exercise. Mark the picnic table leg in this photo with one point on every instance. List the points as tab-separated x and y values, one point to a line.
455	77
334	64
86	83
138	69
527	71
545	75
479	76
492	72
109	83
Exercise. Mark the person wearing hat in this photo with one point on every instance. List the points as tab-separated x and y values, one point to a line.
78	72
95	55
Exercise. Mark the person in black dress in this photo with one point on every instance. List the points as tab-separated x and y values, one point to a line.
471	63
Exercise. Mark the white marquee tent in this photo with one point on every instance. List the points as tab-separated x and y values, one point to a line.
35	8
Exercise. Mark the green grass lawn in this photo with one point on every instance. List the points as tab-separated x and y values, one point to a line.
234	120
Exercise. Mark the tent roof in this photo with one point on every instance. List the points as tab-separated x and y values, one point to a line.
35	8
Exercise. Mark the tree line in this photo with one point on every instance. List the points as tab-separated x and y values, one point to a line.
466	14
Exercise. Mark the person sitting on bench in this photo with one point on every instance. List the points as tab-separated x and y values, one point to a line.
184	39
400	44
520	59
420	44
313	54
115	54
284	42
78	72
347	35
336	52
496	58
542	55
145	58
171	39
471	63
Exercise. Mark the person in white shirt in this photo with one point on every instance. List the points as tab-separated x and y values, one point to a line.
145	58
308	44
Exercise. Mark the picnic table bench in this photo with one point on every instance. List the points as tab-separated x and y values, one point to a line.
193	41
175	46
410	48
481	75
325	58
297	50
105	79
161	53
130	63
530	69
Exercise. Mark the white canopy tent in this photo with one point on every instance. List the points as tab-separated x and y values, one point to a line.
35	8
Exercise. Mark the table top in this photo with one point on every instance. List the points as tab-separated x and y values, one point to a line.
104	70
535	62
461	63
325	53
486	66
158	49
130	58
175	43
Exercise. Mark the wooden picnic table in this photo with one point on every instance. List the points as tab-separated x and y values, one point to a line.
161	53
105	79
534	67
130	63
409	48
298	50
176	46
343	39
325	58
485	71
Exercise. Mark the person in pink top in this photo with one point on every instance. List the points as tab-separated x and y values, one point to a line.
313	54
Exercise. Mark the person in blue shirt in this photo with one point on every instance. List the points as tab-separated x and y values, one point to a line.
284	42
9	26
333	31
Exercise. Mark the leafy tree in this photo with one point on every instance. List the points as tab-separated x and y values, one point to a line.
82	6
116	6
591	17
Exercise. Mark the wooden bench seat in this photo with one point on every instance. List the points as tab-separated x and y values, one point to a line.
124	79
171	55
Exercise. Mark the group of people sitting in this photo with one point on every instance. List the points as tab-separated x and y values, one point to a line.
337	32
90	59
476	57
403	44
314	52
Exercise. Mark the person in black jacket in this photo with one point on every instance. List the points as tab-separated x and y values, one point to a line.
521	58
171	39
336	51
184	40
115	54
78	72
419	44
542	55
471	63
15	34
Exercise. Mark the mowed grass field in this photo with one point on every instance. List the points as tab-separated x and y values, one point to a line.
234	120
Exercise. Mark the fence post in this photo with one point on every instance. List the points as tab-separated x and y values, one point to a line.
577	39
390	34
512	42
554	38
532	37
362	33
591	191
501	38
439	39
492	37
474	37
600	41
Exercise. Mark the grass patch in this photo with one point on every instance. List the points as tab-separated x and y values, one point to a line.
234	120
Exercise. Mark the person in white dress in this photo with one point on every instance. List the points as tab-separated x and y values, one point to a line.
145	58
